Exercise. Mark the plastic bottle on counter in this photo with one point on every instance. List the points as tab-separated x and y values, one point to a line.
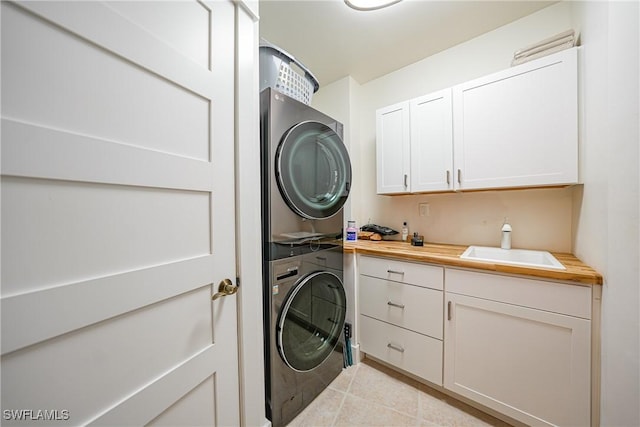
352	231
505	243
405	231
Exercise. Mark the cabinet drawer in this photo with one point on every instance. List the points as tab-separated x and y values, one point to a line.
427	276
573	300
407	350
409	306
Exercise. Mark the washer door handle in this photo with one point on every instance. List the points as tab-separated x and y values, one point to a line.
226	287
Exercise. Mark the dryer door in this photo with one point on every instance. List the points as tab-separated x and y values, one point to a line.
313	170
311	321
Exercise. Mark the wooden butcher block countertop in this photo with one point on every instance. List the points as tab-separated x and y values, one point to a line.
449	255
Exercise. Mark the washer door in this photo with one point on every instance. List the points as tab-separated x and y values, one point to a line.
313	170
311	321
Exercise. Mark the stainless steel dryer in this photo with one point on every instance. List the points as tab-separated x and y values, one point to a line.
306	178
307	307
306	172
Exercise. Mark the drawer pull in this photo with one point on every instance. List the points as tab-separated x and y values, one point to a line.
395	272
321	258
393	304
395	347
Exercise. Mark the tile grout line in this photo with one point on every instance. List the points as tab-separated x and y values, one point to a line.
335	417
346	392
419	412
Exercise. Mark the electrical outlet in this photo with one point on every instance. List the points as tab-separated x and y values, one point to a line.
423	208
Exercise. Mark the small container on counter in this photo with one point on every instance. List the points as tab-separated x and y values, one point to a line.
417	240
352	231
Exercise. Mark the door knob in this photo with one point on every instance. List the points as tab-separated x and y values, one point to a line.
226	287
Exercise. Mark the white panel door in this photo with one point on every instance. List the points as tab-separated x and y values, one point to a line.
393	149
118	213
432	142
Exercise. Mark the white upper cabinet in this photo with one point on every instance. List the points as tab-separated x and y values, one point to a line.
432	143
518	127
514	128
392	149
414	145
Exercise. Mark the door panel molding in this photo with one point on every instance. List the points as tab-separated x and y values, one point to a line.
102	298
95	21
161	393
64	155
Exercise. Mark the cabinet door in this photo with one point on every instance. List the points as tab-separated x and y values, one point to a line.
432	142
518	127
532	365
392	149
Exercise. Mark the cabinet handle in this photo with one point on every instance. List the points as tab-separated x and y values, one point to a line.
393	304
395	347
459	176
405	180
448	177
321	258
395	272
449	310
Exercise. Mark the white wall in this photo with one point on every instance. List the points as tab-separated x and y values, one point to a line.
598	221
541	218
606	212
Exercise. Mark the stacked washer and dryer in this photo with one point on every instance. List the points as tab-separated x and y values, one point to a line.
306	177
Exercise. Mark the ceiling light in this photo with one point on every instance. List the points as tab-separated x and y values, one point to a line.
370	4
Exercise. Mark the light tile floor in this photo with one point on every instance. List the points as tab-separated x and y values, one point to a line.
370	394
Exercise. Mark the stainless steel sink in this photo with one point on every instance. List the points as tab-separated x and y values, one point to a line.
522	257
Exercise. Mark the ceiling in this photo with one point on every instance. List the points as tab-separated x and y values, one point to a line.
335	41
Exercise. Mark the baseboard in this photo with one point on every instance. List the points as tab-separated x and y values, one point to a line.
355	353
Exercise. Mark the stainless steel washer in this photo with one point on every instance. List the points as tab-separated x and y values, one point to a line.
307	307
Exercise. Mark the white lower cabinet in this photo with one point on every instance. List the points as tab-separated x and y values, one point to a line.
517	345
523	357
400	321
